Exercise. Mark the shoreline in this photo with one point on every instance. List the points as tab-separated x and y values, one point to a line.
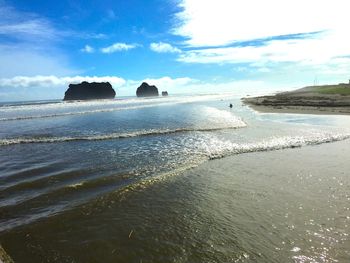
299	109
325	100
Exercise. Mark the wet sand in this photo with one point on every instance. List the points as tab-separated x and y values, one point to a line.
290	205
299	109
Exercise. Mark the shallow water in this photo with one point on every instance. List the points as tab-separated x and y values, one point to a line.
76	176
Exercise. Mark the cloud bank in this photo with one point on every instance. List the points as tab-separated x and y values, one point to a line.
52	87
311	33
50	81
221	22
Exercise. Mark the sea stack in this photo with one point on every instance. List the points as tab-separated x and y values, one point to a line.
164	93
89	91
146	90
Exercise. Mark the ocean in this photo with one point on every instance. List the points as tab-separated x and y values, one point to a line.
97	181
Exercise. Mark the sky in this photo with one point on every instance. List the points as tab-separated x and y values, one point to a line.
182	46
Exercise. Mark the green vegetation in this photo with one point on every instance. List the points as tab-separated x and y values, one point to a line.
341	89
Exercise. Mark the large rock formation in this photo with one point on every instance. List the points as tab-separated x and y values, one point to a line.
89	91
164	93
146	90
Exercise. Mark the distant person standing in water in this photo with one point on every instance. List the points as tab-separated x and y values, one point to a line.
231	105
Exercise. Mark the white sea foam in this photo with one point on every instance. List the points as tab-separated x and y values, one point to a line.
225	148
212	148
111	136
72	113
37	111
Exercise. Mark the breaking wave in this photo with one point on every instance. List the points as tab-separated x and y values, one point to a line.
111	136
16	118
61	109
226	148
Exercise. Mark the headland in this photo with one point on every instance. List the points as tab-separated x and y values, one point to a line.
326	99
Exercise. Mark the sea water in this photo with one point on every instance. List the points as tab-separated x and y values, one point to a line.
58	157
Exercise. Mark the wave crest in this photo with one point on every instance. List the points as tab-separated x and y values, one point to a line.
278	143
111	136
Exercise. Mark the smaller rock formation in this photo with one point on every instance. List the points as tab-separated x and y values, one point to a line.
164	93
89	91
146	90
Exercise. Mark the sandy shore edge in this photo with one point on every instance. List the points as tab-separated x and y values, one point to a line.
299	109
301	102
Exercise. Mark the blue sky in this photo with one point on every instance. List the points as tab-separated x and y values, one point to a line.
183	46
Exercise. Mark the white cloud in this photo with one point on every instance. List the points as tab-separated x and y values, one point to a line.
116	47
337	66
25	26
211	26
172	85
53	87
35	28
220	22
47	87
86	35
128	86
187	85
167	82
312	51
161	47
239	88
87	49
50	81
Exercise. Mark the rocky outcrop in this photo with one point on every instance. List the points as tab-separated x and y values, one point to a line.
164	93
146	90
89	91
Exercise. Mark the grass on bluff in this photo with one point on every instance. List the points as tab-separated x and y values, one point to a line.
341	89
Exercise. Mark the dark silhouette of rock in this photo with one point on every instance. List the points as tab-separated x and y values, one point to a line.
146	90
89	91
165	93
231	105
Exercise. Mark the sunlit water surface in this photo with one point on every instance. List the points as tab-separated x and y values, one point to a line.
77	179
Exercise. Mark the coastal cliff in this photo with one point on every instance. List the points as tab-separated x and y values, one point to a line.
89	91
